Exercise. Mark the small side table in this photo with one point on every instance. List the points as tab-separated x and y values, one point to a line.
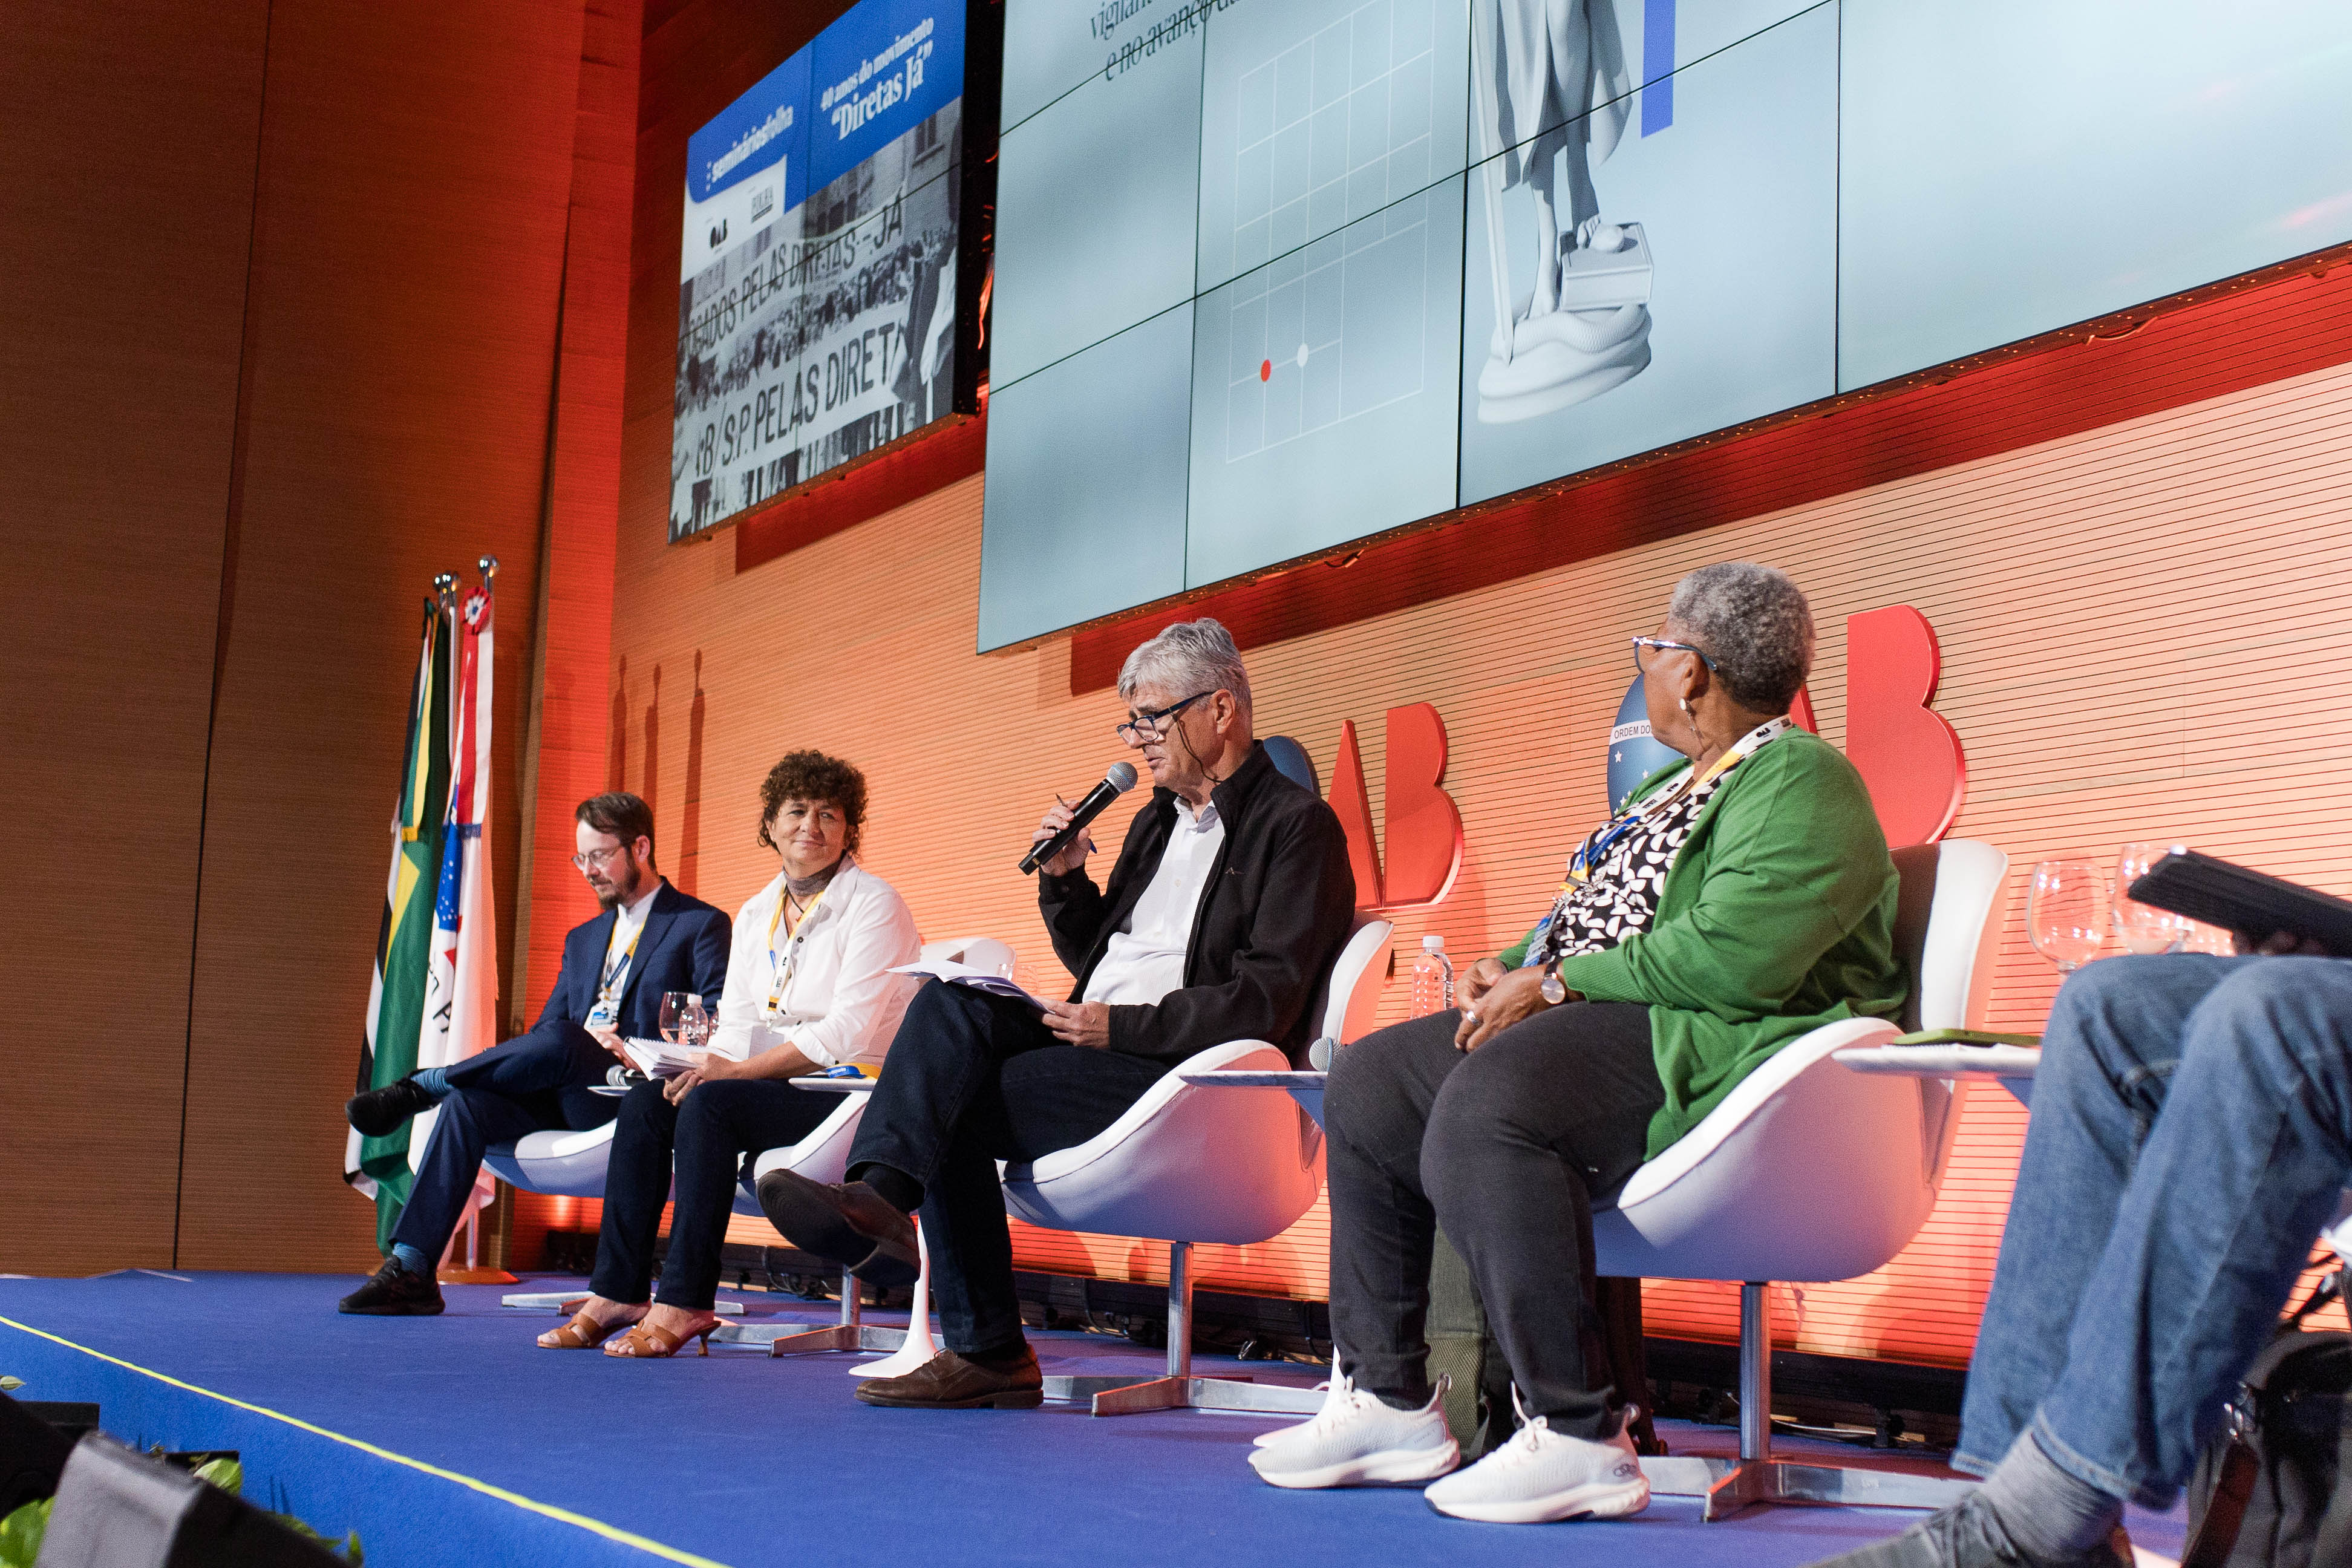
2011	1066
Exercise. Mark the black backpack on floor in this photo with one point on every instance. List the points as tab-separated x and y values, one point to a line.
2274	1487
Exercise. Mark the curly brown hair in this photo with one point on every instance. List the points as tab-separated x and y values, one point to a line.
812	775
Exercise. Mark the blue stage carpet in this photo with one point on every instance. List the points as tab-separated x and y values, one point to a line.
489	1450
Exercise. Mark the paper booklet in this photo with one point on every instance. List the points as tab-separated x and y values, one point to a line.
956	973
658	1058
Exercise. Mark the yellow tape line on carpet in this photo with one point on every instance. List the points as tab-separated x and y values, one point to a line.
594	1526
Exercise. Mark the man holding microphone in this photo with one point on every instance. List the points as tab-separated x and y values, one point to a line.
1229	900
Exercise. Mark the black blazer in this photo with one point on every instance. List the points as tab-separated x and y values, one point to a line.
1274	913
684	948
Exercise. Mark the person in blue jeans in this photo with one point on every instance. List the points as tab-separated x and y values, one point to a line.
2192	1135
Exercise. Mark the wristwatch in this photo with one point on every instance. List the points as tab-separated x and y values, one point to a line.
1554	989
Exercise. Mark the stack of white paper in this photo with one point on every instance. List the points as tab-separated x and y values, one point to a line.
657	1058
956	973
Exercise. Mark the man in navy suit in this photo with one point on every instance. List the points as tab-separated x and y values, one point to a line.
650	939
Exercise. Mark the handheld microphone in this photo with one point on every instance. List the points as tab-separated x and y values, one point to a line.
1116	782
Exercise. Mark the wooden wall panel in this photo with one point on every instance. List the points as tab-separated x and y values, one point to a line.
570	732
416	176
2141	630
583	491
127	184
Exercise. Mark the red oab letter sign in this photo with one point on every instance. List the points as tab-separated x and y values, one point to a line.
1904	750
1908	755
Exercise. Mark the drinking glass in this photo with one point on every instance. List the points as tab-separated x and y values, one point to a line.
674	1005
2203	938
697	1024
2144	928
2066	912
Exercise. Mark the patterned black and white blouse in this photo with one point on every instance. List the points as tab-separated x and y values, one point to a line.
1621	896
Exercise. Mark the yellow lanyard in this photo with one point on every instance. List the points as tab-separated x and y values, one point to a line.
616	969
787	960
1595	849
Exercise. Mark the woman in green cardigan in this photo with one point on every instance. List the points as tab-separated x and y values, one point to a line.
1738	901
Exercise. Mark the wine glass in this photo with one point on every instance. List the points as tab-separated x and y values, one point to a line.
675	1006
2144	928
2203	938
2066	912
696	1025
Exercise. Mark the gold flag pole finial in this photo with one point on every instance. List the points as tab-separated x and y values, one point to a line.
487	566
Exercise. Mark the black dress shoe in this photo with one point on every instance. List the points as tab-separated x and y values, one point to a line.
392	1291
948	1381
376	1112
1968	1534
851	1224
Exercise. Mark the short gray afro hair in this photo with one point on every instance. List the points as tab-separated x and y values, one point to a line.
1189	656
1755	625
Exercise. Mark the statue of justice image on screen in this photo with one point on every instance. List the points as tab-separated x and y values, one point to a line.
1552	92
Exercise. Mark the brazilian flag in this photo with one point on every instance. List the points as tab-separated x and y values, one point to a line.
379	1166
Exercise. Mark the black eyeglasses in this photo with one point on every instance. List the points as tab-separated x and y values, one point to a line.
1150	726
1641	643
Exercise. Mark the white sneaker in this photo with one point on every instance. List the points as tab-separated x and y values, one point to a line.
1330	1391
1357	1439
1542	1475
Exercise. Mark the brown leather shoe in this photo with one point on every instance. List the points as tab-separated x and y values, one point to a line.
849	1223
948	1381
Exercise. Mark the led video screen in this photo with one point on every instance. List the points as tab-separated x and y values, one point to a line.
823	267
1277	274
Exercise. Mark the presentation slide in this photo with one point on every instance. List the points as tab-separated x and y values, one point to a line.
1276	274
2013	166
1097	521
1692	227
1094	219
817	265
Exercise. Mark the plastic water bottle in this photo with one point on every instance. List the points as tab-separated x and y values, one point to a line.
1433	978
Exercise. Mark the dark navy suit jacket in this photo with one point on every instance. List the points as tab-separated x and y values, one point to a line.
684	948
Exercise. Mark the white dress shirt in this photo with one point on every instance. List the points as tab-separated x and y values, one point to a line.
841	1003
1145	960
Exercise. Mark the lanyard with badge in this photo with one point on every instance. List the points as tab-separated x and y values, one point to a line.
616	969
1590	855
789	959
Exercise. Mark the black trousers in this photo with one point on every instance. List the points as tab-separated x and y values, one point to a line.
1508	1149
972	1079
708	1140
533	1083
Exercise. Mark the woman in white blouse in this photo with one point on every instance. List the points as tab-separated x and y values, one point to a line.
808	986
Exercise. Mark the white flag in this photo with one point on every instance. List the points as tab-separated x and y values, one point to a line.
461	987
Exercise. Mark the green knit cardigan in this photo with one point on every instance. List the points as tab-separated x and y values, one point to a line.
1777	918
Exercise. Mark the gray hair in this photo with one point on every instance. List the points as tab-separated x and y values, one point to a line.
1754	624
1189	656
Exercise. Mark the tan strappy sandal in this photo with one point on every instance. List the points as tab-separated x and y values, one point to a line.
582	1333
644	1340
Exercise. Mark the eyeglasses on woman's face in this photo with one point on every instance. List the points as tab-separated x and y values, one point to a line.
1641	664
1143	728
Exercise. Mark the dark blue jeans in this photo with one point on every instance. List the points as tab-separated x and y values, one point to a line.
531	1083
710	1140
2192	1134
972	1080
